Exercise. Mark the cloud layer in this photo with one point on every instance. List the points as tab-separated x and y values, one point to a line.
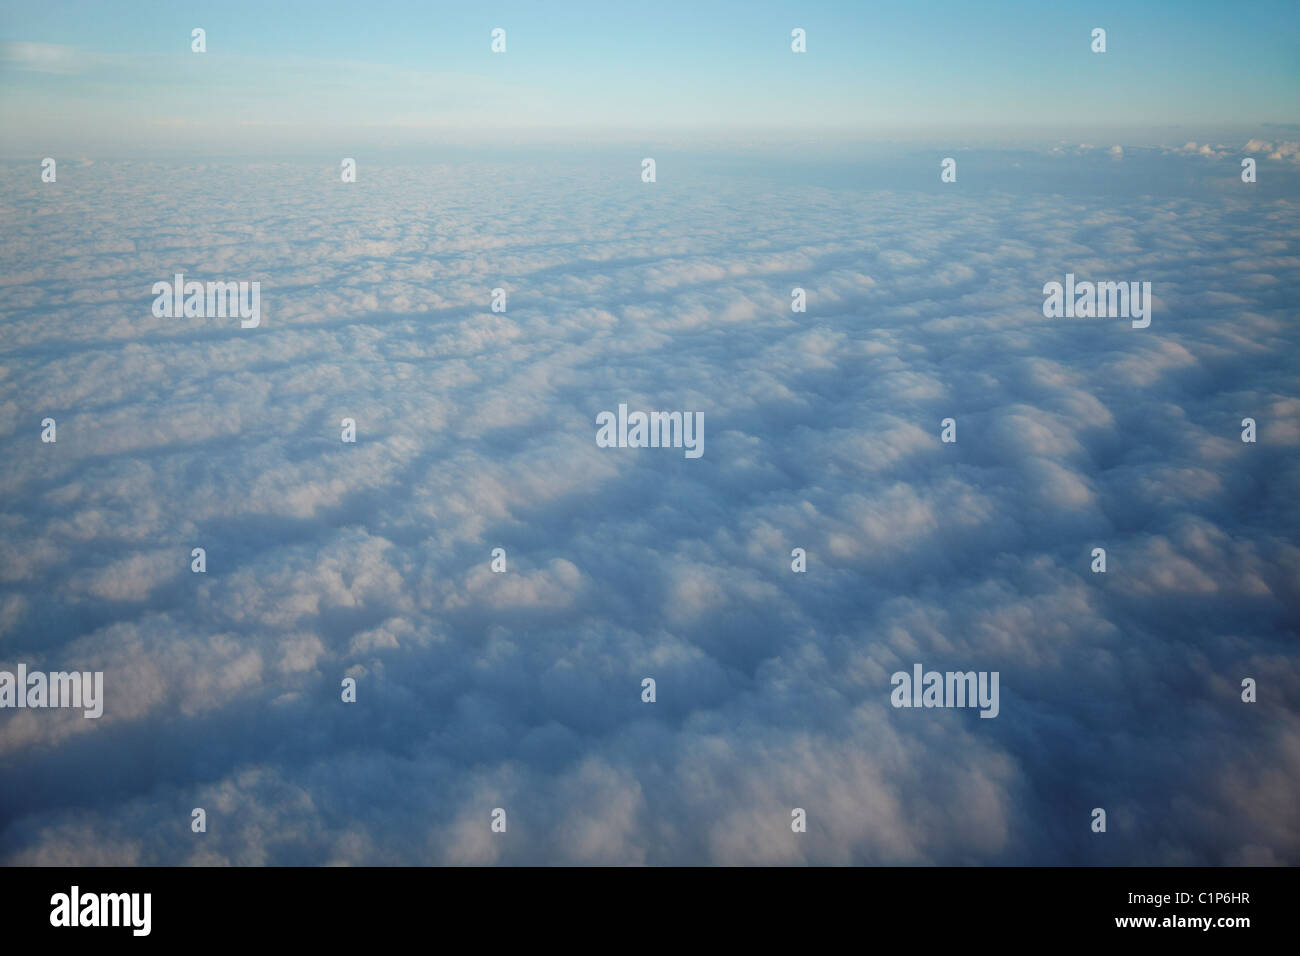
476	430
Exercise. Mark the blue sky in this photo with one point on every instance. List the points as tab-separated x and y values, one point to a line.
295	74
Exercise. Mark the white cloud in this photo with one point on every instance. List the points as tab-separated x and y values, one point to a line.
476	430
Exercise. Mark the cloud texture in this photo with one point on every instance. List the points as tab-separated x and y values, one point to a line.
476	430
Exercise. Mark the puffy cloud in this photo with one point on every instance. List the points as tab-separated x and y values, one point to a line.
476	430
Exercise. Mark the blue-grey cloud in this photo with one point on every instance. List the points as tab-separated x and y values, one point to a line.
476	430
